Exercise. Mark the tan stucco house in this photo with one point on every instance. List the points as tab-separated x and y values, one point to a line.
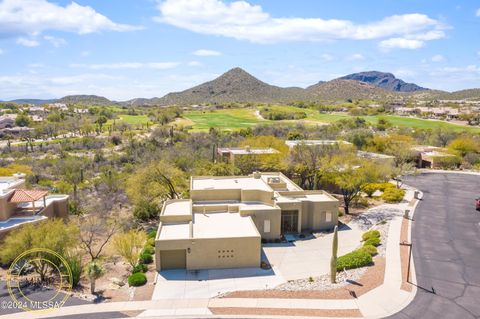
19	205
225	219
229	154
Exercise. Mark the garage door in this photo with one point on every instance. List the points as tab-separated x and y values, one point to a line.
173	259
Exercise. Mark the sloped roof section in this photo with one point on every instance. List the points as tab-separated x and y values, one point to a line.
27	195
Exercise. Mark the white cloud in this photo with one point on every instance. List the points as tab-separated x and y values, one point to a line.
27	42
85	53
401	43
327	57
1	51
56	42
438	58
194	63
32	17
203	52
478	13
244	21
128	65
356	57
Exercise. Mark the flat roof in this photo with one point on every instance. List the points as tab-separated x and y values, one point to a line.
7	182
237	182
293	143
223	225
175	231
319	197
246	150
177	208
374	155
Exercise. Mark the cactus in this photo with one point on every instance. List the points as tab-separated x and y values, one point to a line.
333	261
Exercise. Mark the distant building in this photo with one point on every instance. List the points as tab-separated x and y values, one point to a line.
223	222
431	156
59	106
80	111
293	143
7	121
377	157
228	154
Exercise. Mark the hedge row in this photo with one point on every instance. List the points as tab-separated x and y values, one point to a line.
362	256
138	278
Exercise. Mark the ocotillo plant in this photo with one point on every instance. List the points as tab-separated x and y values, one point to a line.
333	261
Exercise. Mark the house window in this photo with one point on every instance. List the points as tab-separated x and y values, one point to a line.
328	217
266	226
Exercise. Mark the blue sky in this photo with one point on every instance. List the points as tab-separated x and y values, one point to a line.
124	49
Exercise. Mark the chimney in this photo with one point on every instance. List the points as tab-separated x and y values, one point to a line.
257	175
247	148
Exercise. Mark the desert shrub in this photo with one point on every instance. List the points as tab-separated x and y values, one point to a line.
372	241
145	210
151	242
148	250
137	279
369	189
372	250
361	202
152	234
355	259
384	186
393	195
370	234
140	268
75	265
145	258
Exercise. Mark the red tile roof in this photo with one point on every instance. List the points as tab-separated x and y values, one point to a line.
27	195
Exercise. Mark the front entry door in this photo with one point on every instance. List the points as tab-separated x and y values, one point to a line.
289	221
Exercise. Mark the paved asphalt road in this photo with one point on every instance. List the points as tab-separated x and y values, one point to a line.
5	301
446	248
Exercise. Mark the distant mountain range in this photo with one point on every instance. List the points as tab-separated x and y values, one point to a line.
386	81
237	85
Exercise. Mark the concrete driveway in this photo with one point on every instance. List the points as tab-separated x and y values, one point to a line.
297	260
182	284
310	257
446	248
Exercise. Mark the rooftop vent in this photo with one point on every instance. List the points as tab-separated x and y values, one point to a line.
257	175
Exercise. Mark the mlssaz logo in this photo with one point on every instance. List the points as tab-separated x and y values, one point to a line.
38	280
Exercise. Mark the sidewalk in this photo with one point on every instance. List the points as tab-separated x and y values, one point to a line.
382	301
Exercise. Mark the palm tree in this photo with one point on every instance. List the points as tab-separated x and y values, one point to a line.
94	271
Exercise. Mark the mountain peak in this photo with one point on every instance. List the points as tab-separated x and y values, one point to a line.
384	80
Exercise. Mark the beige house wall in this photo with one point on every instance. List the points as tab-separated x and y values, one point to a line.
206	253
6	209
260	216
215	194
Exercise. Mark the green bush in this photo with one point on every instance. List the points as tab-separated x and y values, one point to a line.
355	259
137	279
140	268
369	189
384	186
152	234
393	195
75	265
370	249
148	250
151	242
372	241
370	234
145	258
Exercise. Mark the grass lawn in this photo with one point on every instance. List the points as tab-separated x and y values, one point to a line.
233	119
131	119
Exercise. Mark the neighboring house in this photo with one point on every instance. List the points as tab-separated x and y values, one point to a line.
59	106
19	205
80	111
377	157
294	143
7	120
225	219
431	156
228	154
